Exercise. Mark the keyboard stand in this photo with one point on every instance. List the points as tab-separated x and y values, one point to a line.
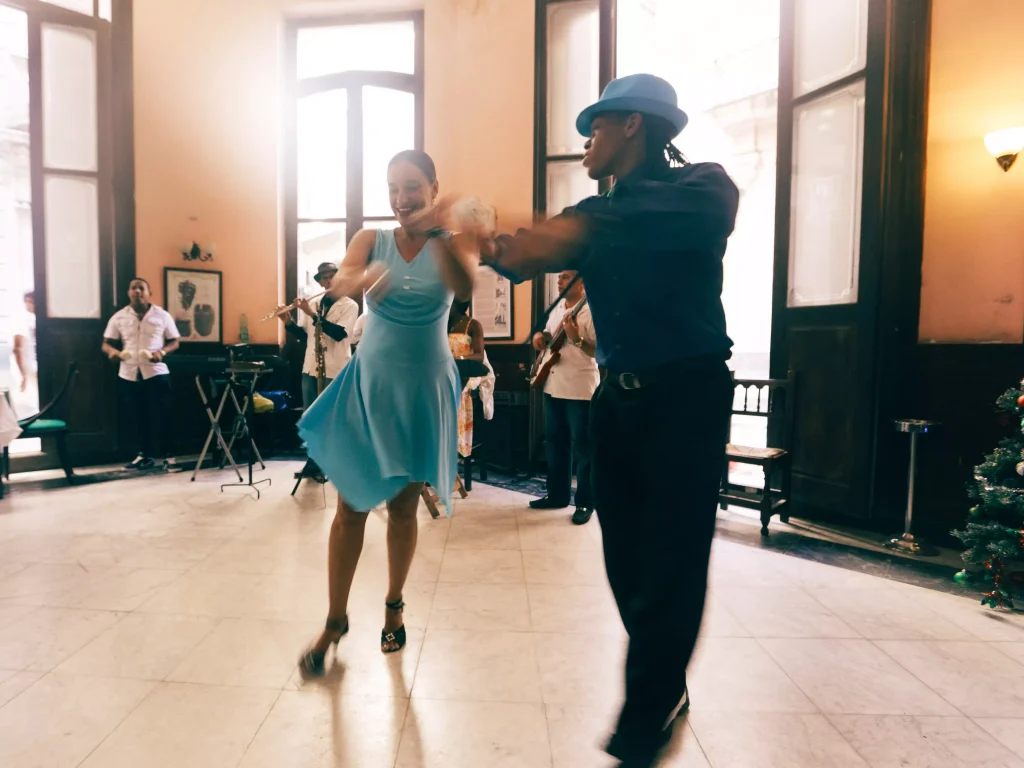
242	427
215	430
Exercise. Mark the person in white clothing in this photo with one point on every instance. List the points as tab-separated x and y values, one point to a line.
567	393
336	320
146	334
26	399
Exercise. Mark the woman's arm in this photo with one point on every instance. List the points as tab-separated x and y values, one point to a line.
458	259
356	272
476	340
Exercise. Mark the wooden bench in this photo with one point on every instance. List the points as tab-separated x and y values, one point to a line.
772	400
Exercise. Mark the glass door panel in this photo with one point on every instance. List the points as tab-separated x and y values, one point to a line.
322	155
72	247
389	126
573	71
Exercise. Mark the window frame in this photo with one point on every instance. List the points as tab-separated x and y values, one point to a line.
606	72
353	82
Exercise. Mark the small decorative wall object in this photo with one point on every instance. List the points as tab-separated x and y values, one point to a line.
192	252
1005	145
194	298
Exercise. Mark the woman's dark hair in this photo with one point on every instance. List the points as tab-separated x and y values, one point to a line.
659	136
461	307
418	158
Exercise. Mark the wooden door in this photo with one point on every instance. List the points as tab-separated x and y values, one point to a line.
72	194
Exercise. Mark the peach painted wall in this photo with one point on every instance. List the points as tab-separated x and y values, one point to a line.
973	272
208	129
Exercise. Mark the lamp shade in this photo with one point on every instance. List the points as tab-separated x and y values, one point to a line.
1008	141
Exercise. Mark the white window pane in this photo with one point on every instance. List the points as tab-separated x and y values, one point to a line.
322	135
72	247
82	6
828	153
318	242
831	41
573	71
106	11
389	47
389	126
568	183
69	98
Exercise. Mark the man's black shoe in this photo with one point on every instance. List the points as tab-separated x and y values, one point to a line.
582	515
547	503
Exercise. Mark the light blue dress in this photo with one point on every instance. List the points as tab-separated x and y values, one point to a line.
390	417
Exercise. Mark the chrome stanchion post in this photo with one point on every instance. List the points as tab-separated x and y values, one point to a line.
907	543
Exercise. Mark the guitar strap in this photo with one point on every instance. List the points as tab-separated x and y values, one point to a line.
542	321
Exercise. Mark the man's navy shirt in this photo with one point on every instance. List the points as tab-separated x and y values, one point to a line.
652	265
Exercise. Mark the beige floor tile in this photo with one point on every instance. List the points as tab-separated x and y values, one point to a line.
473	566
324	729
963	610
366	602
58	721
580	567
205	594
13	682
481	607
140	646
860	678
180	725
40	582
12	613
48	636
1008	731
478	734
790	612
576	669
472	534
1013	650
478	666
554	534
737	675
571	608
772	741
245	652
886	614
923	742
120	588
718	621
975	677
356	667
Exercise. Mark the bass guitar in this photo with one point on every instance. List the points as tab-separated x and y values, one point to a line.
549	357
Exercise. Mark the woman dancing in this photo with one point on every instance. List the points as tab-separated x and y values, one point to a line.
387	423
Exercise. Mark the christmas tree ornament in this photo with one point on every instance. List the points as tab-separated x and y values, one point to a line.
1020	401
1020	468
963	578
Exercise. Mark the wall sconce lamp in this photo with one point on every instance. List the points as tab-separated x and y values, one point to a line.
192	252
1005	145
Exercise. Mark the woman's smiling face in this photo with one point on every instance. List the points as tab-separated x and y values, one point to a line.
409	189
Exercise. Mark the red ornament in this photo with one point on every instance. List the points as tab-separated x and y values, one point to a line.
1020	401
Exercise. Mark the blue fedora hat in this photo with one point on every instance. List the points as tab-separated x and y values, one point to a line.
646	94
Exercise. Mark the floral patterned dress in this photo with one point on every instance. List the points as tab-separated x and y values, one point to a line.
462	346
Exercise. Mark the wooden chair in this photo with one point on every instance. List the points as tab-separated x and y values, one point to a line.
772	400
52	422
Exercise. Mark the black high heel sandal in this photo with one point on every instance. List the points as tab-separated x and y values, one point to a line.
311	663
397	636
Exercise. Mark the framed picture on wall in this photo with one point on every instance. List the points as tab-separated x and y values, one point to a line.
493	305
194	298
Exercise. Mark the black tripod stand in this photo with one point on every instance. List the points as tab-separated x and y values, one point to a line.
243	420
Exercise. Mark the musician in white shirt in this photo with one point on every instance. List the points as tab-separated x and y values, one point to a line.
567	393
147	334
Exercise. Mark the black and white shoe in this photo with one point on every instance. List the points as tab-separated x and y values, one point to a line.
547	503
582	515
171	465
139	462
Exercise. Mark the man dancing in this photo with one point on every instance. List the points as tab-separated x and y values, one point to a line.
651	254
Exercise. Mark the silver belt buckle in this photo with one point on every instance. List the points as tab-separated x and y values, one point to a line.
628	381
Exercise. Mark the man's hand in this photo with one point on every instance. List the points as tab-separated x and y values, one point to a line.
572	329
114	354
156	357
539	342
306	307
286	317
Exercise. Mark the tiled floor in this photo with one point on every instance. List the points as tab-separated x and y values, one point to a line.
156	622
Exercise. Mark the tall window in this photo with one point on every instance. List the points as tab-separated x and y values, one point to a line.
356	94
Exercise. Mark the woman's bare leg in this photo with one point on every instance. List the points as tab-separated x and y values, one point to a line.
402	531
346	544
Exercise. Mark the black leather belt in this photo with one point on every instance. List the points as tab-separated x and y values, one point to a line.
629	380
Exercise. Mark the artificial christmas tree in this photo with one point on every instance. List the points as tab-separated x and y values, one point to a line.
994	535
